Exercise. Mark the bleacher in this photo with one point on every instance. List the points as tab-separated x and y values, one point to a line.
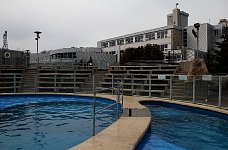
140	80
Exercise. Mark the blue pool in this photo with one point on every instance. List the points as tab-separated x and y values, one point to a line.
176	127
49	121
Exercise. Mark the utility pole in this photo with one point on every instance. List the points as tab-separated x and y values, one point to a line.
37	49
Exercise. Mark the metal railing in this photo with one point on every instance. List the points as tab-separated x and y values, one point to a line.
204	89
119	92
10	82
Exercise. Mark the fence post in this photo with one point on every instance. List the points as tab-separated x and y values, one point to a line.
74	82
171	87
220	92
149	85
122	90
94	106
14	83
36	83
132	84
118	99
55	83
193	88
112	83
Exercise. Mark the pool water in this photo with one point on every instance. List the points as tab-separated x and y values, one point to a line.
49	122
176	127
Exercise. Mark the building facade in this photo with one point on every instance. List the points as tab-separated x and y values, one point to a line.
176	38
168	37
75	56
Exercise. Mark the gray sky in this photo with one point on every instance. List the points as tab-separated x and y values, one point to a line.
81	23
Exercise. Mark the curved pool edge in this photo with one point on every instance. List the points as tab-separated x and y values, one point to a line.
189	104
126	132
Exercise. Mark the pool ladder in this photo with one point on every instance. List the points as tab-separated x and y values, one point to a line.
119	101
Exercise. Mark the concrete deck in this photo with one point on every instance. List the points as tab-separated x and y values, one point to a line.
127	132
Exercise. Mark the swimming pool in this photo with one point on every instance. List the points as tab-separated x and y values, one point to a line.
176	127
49	121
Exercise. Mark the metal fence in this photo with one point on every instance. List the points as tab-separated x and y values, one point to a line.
204	89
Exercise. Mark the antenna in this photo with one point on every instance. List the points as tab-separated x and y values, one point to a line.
5	42
177	4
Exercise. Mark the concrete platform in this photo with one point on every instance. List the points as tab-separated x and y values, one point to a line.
127	132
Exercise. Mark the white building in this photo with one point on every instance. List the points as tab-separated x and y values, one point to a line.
176	37
80	56
168	37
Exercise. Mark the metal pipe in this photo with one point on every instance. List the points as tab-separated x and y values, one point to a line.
97	112
118	100
55	83
94	106
74	82
132	84
112	83
37	52
194	89
220	92
149	85
14	83
122	94
197	51
171	87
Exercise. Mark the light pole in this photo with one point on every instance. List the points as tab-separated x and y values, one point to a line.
37	49
196	34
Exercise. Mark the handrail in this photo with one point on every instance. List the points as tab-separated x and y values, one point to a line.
119	85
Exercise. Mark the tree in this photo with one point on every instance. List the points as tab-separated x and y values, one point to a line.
148	52
217	60
223	53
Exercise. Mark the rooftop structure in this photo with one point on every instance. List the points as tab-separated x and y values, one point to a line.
76	56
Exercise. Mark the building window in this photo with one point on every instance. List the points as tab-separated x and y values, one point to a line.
162	34
150	36
185	36
129	40
163	47
74	55
139	38
70	55
158	35
112	43
104	45
217	32
165	33
120	41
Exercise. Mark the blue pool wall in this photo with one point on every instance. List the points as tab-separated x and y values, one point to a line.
188	108
6	103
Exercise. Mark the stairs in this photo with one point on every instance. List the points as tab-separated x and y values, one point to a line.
178	89
29	81
88	85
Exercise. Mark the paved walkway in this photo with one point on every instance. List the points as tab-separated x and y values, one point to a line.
127	132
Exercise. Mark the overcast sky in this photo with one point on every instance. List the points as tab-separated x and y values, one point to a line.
81	23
